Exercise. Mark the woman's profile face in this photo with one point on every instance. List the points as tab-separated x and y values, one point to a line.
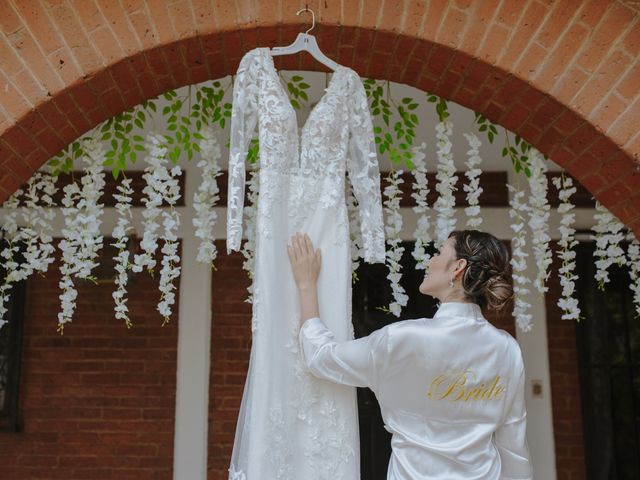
440	269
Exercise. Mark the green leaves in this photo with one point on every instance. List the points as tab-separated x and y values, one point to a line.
396	123
518	154
398	137
297	91
442	109
484	125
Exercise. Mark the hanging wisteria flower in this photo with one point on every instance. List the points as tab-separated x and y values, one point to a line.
393	220
568	303
81	240
608	237
120	235
633	252
519	259
539	219
170	258
35	236
445	204
251	212
419	194
473	188
155	176
204	200
9	233
355	233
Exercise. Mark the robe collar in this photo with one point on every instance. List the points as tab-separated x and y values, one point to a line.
459	309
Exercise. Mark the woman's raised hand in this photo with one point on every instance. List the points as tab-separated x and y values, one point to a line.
305	261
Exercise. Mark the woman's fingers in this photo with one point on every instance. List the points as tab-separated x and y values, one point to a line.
308	245
301	246
292	254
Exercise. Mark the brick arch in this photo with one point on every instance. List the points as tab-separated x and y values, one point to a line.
565	78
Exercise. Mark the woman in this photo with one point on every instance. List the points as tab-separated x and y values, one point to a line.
451	387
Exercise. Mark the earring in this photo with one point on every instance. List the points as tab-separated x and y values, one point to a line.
451	283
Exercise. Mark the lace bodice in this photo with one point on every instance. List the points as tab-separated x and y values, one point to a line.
337	136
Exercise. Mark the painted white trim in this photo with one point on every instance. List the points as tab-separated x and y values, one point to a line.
192	376
190	443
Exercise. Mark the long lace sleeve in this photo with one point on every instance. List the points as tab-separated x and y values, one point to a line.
364	174
244	116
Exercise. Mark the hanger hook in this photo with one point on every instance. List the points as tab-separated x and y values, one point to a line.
313	18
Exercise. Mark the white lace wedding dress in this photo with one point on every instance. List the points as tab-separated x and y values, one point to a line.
292	425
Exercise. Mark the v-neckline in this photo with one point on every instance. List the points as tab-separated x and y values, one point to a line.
283	92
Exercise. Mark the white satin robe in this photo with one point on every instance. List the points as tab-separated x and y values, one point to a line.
451	391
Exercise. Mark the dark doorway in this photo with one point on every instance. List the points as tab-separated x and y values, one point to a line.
371	292
609	363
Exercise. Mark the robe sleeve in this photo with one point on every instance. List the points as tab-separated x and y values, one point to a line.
364	173
357	363
244	116
511	439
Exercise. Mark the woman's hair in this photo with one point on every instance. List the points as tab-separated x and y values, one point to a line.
487	277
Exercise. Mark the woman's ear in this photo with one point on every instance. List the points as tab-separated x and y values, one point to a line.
461	264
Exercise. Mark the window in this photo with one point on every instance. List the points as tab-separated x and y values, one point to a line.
608	344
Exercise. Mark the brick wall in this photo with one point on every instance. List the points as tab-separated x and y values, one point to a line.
230	348
565	384
99	401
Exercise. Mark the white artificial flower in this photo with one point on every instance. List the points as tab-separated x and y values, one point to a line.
608	237
539	219
633	253
393	226
518	259
204	200
447	178
81	240
120	235
9	233
420	192
473	188
162	186
251	213
155	176
566	253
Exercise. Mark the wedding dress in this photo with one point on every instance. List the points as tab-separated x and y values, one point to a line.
292	425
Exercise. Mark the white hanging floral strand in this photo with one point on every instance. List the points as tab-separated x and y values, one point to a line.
251	212
81	240
420	192
445	203
204	200
519	259
155	175
9	233
393	254
567	302
633	252
473	188
120	235
607	237
35	235
539	219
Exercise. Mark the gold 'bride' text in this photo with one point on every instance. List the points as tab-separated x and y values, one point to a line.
453	385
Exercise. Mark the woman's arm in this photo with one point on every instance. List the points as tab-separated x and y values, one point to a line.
305	263
356	362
